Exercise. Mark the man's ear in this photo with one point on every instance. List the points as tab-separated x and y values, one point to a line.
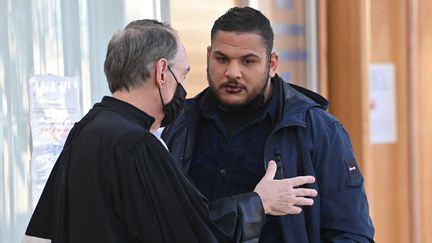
208	52
274	60
161	67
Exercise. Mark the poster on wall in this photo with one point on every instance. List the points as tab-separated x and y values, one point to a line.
382	90
54	108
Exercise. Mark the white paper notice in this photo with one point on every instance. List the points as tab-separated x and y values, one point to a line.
382	90
54	108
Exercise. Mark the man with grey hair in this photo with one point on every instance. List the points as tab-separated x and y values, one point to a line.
115	181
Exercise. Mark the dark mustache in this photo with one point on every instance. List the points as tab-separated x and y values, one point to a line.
232	82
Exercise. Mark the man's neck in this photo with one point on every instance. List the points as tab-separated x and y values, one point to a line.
144	100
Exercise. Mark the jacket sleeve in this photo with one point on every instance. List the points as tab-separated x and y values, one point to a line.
344	205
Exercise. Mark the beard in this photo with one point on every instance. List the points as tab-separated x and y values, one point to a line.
251	103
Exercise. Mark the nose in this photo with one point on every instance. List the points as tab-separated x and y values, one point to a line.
233	71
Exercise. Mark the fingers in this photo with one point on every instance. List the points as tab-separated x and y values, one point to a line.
295	210
305	192
294	207
303	201
271	170
297	182
286	196
301	180
285	211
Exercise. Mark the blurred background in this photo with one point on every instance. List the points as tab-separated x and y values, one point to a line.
371	58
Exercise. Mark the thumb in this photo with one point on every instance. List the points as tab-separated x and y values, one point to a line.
271	170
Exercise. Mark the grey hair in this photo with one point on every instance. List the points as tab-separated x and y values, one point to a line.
133	51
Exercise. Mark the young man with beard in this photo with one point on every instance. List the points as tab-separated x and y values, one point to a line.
115	181
248	116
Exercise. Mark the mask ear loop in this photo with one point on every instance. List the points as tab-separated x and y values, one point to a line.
160	94
173	75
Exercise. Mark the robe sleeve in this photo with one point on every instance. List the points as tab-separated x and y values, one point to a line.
249	216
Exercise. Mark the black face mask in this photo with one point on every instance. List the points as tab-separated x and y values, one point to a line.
173	108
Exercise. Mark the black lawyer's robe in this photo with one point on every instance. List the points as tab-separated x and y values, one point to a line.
115	182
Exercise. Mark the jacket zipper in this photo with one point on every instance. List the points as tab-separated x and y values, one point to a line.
278	155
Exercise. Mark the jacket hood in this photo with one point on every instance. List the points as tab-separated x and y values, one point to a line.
296	102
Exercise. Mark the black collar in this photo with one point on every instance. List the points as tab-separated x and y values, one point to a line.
126	109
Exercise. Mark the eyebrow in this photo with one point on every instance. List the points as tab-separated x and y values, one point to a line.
249	55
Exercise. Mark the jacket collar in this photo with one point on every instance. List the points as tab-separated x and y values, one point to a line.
296	101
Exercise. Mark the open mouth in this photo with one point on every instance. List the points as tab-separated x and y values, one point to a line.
232	88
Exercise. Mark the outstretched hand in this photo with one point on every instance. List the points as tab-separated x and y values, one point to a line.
281	197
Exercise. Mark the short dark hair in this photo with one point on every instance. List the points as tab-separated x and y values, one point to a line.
132	52
245	20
